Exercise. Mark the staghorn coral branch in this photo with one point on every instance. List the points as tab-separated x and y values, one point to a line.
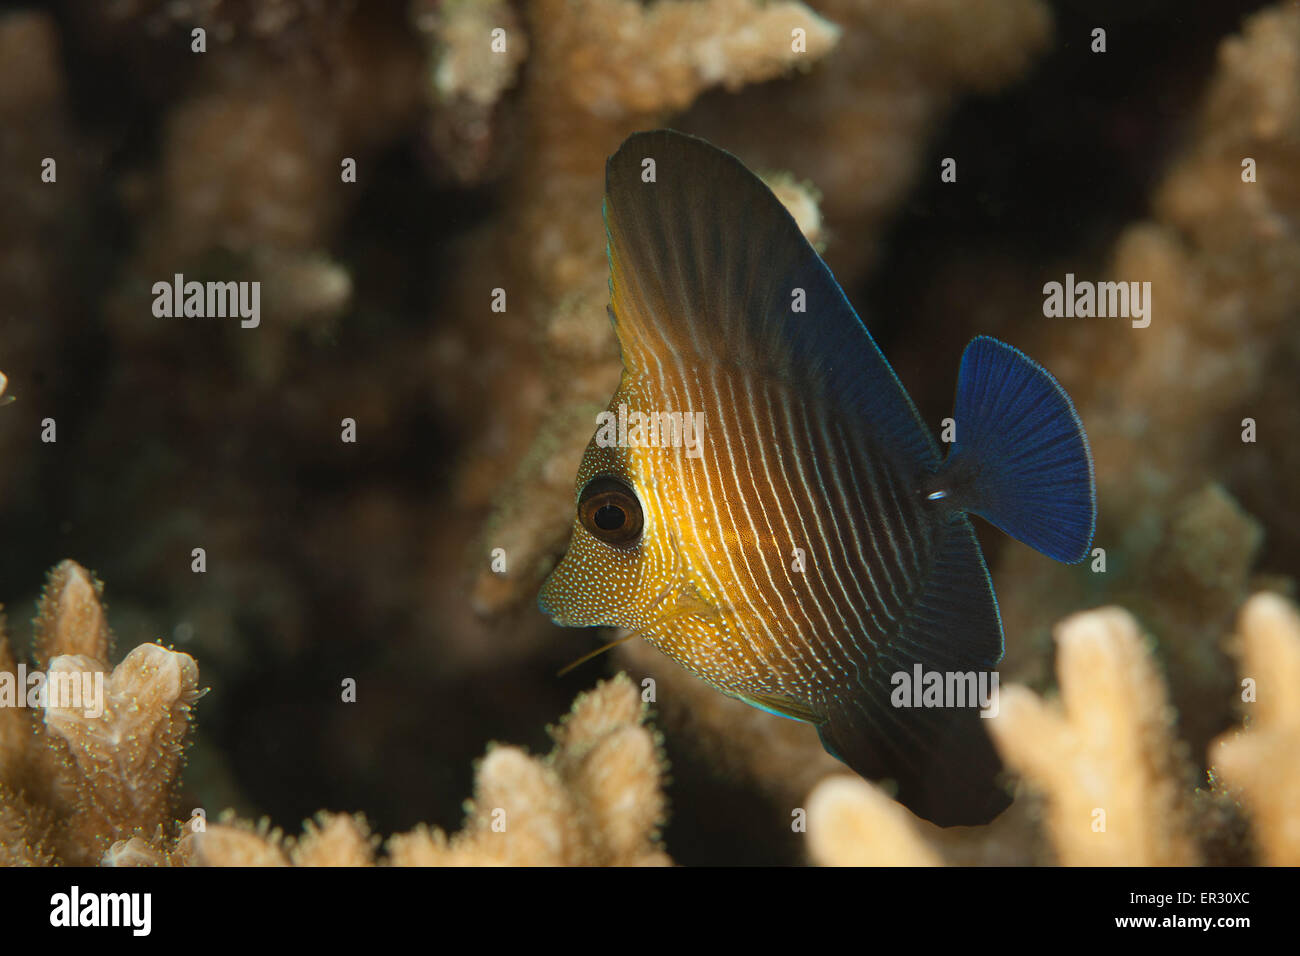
1108	745
126	758
460	30
595	800
83	787
852	823
239	843
638	59
332	839
80	787
1105	757
464	85
70	616
75	777
1263	760
335	839
611	765
520	813
14	722
24	831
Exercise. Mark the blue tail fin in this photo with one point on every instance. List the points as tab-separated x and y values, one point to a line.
1021	458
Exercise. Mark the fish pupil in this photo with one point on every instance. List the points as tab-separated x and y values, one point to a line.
608	508
609	517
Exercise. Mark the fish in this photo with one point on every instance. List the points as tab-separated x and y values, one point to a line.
814	544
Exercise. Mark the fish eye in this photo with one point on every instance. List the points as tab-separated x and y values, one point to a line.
609	509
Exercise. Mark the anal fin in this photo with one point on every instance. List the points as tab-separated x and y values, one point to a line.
941	758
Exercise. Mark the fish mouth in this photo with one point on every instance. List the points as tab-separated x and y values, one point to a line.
552	602
544	606
551	599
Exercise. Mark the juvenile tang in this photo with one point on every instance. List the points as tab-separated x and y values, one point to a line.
817	545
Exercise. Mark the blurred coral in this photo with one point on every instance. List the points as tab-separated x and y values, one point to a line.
859	124
1263	760
250	175
782	757
1116	785
852	823
1115	776
35	127
1180	491
469	71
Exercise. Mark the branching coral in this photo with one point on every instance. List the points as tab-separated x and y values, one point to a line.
1116	781
332	839
1179	481
80	787
642	59
784	757
852	823
596	799
251	177
1263	761
477	47
74	778
859	124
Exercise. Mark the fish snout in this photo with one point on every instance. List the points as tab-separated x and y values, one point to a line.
547	604
557	598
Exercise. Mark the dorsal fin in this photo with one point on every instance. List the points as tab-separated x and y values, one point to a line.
704	267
